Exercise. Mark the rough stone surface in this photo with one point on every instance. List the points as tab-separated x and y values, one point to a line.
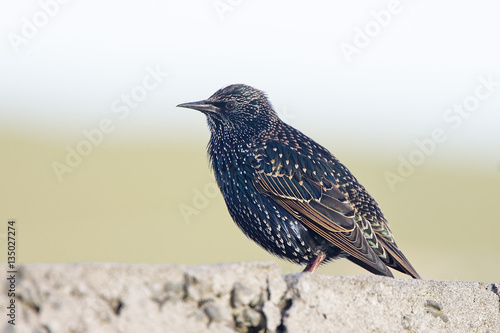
242	297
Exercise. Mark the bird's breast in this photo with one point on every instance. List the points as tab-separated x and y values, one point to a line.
259	217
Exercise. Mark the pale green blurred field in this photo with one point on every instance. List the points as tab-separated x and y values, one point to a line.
122	204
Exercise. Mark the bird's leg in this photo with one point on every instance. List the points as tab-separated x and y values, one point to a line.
316	262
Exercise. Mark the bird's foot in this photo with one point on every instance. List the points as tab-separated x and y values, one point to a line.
315	264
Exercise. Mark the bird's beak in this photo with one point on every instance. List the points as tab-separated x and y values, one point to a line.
202	106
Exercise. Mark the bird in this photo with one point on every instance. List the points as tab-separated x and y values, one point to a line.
288	193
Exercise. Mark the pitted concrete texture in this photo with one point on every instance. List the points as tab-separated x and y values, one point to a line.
240	297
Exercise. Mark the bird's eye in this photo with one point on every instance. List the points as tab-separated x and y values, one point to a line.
230	105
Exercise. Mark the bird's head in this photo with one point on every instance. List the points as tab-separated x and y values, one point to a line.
238	110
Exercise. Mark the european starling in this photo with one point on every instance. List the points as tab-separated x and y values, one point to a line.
288	193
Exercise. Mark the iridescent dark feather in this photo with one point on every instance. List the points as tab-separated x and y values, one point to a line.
290	194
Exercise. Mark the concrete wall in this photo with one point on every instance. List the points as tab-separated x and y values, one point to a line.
241	297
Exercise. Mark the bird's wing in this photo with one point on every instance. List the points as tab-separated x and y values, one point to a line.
305	186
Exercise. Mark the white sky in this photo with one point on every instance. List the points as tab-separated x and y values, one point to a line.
86	54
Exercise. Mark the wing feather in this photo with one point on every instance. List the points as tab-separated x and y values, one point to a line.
305	186
325	211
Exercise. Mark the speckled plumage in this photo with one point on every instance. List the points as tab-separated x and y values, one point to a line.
288	193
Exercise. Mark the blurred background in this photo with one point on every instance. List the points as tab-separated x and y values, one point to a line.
98	165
